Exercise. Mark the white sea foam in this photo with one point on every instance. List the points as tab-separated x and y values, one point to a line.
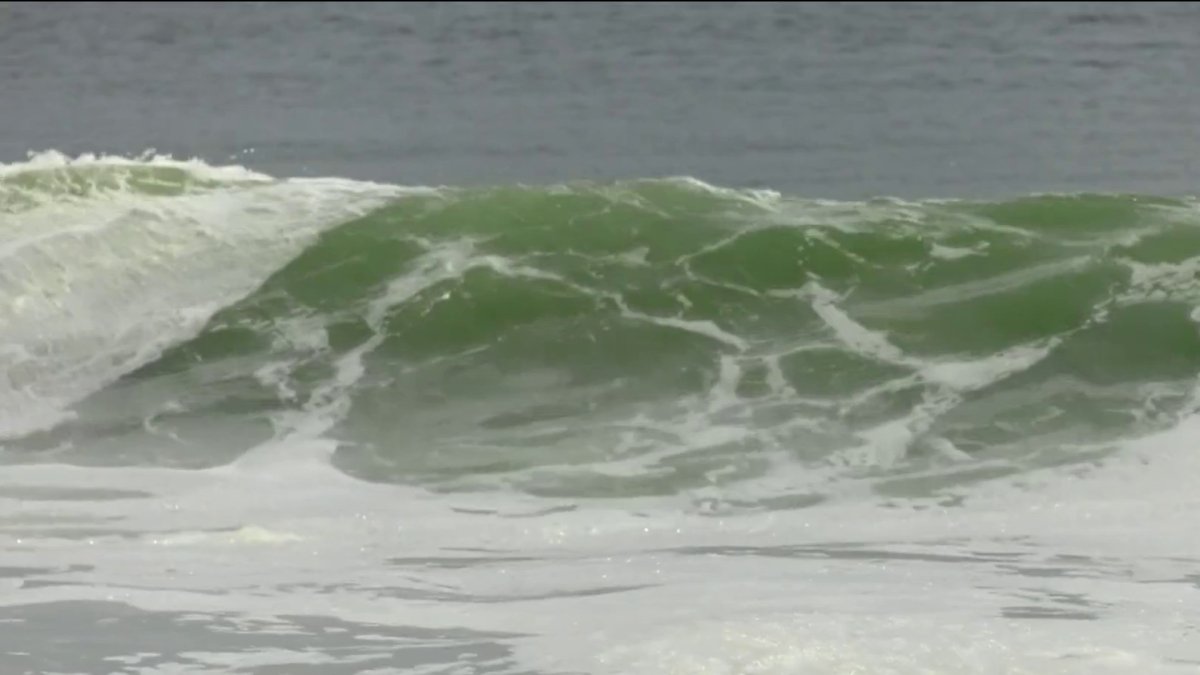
94	286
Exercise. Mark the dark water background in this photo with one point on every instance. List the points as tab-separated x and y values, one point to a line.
821	100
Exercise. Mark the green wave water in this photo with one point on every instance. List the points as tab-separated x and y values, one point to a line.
656	337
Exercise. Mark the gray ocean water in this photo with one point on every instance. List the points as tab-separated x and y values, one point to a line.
824	100
599	338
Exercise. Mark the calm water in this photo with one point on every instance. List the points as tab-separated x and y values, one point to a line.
823	100
599	338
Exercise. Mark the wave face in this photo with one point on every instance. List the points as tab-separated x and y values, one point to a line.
632	339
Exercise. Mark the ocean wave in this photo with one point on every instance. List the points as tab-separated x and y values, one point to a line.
633	338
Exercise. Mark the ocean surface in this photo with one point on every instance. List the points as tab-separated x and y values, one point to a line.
551	339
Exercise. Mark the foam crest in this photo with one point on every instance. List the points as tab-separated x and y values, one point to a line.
94	287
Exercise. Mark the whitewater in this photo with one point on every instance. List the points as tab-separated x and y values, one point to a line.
266	424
